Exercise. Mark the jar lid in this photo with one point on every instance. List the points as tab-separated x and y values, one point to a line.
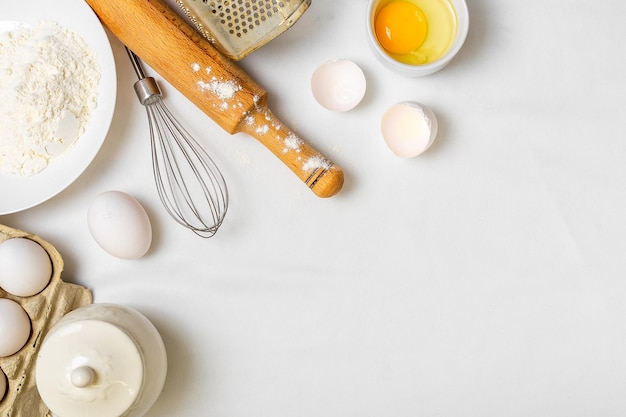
89	368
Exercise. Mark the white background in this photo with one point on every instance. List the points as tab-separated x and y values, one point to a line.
484	278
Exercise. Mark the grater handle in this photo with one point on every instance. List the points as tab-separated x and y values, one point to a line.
219	88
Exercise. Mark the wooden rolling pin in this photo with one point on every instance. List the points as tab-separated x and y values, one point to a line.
164	40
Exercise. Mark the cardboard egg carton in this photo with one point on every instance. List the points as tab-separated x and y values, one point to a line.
44	309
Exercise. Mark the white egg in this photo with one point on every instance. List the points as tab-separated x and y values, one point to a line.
25	267
14	327
3	384
338	85
120	225
408	128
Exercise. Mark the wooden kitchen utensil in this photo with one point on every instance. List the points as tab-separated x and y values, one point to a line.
164	40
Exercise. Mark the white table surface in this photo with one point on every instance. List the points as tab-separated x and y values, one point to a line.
486	277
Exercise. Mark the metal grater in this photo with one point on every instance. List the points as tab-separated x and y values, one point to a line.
238	27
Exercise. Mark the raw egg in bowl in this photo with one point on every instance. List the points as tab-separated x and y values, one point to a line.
417	37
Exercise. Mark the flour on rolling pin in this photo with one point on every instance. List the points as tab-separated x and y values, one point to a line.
229	96
226	91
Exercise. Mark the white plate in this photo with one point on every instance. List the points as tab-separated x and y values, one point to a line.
17	192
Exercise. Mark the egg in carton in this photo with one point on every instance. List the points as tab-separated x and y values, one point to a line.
44	309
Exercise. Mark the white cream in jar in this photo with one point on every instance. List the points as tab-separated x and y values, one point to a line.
102	360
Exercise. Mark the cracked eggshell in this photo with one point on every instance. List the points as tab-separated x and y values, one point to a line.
120	225
408	128
338	85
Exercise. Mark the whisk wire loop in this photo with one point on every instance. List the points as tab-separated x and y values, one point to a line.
189	183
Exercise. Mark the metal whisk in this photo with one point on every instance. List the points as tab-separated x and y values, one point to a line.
189	183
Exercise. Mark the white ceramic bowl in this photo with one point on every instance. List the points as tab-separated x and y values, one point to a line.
409	70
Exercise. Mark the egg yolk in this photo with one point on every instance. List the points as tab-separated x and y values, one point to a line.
400	27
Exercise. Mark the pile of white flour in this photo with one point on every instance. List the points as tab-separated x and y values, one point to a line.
49	80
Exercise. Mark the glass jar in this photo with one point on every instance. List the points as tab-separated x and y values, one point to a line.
101	360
